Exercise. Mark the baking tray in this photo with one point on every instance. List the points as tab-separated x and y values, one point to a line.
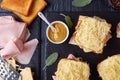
35	33
112	48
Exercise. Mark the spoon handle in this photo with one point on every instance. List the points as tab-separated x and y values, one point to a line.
40	14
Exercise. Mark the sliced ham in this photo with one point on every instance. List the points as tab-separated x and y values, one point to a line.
6	19
10	50
10	30
71	56
118	30
13	39
27	53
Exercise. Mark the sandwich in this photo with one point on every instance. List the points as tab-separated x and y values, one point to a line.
91	34
72	69
109	69
19	6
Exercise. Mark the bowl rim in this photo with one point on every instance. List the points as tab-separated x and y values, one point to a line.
64	38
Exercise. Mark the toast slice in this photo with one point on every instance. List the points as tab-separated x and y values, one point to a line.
109	69
91	34
72	70
26	74
19	6
37	5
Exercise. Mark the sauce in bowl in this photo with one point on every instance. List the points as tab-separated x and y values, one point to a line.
60	34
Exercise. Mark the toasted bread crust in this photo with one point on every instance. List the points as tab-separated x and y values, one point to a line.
37	5
19	6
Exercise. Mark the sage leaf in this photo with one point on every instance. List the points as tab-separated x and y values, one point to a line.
81	3
68	20
51	59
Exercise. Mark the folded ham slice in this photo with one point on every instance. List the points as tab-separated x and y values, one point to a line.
27	53
10	50
13	39
118	30
6	19
10	30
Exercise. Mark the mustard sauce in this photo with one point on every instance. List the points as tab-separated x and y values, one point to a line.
59	34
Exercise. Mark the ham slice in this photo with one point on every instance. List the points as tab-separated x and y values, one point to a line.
10	50
13	39
118	30
27	53
11	30
6	19
71	57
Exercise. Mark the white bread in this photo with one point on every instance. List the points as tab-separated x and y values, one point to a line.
91	34
72	70
109	69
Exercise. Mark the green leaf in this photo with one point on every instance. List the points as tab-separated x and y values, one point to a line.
51	59
68	20
81	3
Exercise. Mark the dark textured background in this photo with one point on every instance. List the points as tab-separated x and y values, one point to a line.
98	7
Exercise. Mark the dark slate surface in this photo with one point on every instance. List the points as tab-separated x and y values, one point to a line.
113	45
45	48
66	5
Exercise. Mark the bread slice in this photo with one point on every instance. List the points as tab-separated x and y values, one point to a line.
109	69
72	70
37	5
26	74
91	34
20	6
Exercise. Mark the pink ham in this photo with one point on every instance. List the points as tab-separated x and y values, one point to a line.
13	40
10	30
118	30
10	50
27	53
71	57
6	19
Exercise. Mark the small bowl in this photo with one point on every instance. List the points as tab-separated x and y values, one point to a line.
65	37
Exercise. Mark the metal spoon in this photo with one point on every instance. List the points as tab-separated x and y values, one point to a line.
41	15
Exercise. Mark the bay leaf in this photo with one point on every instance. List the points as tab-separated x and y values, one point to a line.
68	20
81	3
51	59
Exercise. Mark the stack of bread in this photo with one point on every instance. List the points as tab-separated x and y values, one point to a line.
26	9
